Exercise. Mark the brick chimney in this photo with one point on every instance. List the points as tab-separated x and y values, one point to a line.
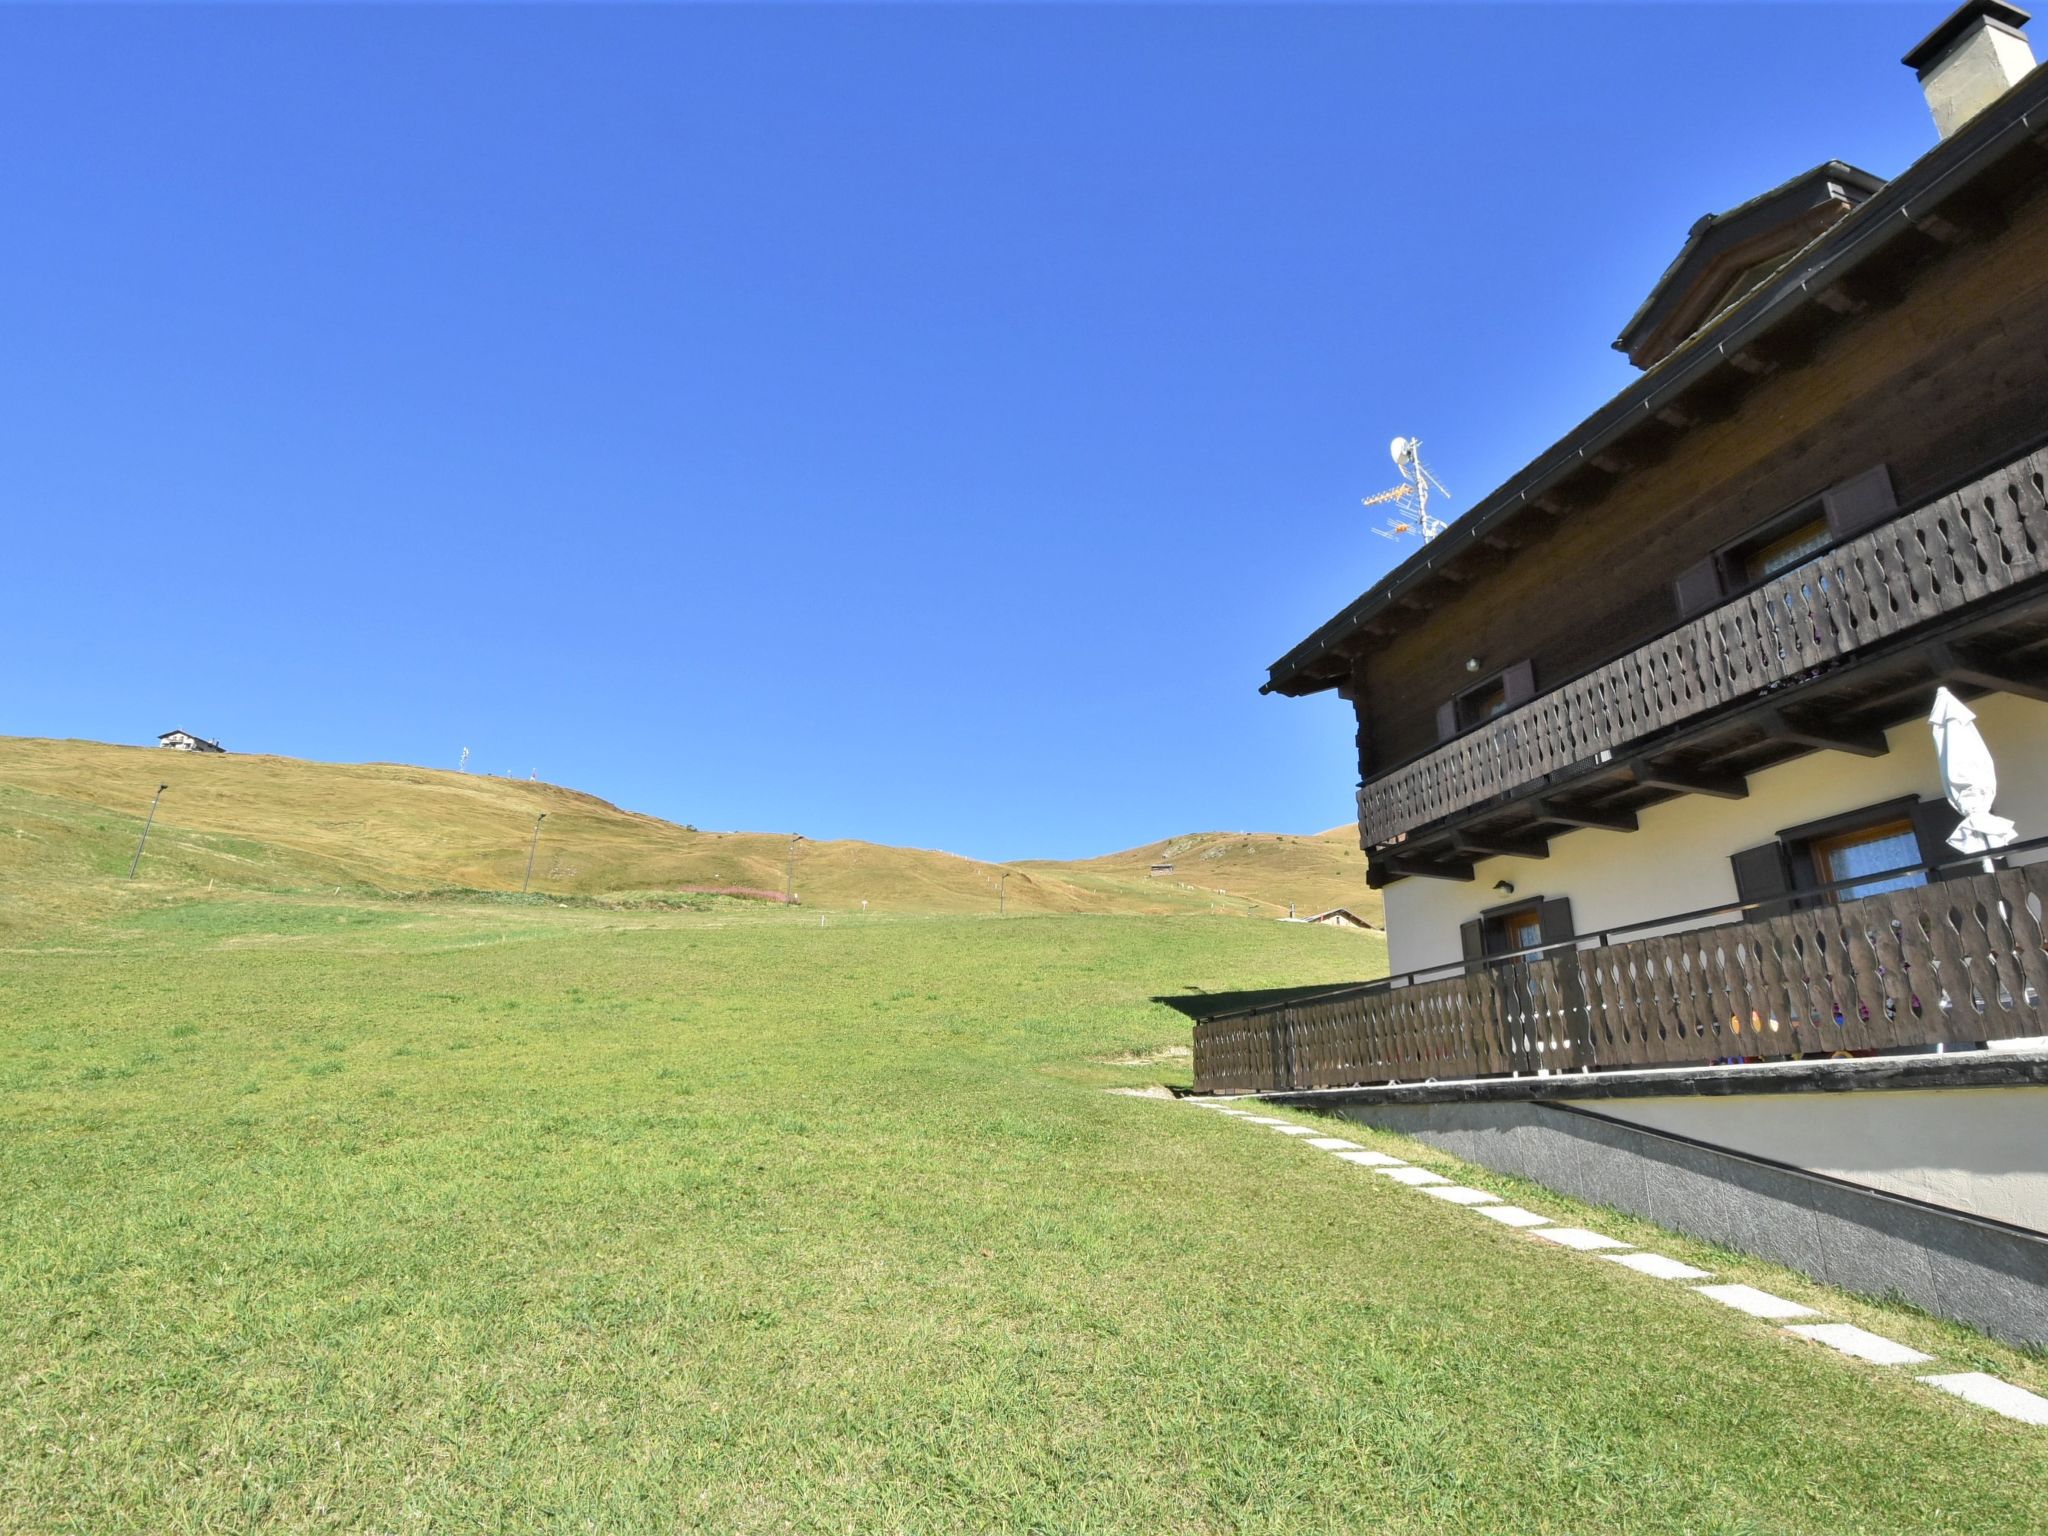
1971	60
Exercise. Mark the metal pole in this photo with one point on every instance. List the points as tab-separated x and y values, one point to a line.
148	822
789	871
1002	884
530	849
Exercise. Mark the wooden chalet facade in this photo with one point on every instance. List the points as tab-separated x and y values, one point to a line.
1635	731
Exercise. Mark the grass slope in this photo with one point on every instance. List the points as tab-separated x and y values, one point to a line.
1263	870
70	812
383	1216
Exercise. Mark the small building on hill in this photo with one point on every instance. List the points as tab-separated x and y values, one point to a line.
1336	917
1164	867
185	741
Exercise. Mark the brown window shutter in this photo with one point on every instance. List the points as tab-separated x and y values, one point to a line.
1447	720
1763	874
1555	916
1933	820
1859	502
1472	939
1699	588
1518	683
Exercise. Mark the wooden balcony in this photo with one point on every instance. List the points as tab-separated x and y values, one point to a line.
1954	962
1775	671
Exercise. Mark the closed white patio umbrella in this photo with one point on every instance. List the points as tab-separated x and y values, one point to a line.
1968	777
1971	784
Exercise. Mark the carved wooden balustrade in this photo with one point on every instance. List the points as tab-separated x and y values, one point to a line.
1956	961
1988	537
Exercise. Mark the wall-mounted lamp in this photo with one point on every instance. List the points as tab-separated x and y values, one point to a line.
1471	663
1505	887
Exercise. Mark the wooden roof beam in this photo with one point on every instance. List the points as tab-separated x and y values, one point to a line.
1691	781
1607	821
1961	219
1972	667
1809	731
1488	845
1398	864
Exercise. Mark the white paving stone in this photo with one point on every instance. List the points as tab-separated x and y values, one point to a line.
1512	1216
1371	1159
1747	1298
1861	1343
1579	1237
1999	1396
1414	1176
1295	1130
1333	1144
1656	1265
1267	1120
1458	1194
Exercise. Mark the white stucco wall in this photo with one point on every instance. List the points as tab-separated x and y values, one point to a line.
1980	1150
1678	859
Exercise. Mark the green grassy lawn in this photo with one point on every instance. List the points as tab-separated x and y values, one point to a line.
390	1217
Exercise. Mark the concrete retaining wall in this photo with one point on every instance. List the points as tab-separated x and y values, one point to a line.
1987	1274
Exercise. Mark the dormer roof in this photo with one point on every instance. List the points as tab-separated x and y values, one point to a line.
1726	255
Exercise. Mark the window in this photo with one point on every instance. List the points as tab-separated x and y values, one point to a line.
1867	851
1486	700
1791	872
1788	539
1513	930
1783	551
1519	928
1478	705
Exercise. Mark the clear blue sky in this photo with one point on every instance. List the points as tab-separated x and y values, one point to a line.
904	423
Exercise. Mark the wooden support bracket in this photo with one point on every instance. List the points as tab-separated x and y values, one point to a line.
1807	731
1397	864
1955	663
1608	821
1488	847
1724	786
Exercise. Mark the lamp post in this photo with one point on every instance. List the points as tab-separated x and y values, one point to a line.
789	871
530	850
148	822
1002	880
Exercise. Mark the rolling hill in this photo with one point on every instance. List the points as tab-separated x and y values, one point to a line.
1259	870
70	812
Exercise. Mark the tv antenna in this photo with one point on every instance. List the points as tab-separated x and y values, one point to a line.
1410	499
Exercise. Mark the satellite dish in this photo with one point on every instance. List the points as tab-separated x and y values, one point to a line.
1410	498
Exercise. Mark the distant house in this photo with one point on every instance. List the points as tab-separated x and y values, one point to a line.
1336	917
185	741
1163	868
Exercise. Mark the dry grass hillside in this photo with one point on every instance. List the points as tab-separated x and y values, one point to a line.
1256	871
70	812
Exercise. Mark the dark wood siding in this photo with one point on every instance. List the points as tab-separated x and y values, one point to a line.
1945	382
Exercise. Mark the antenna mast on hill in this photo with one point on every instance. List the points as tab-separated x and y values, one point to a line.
1410	499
